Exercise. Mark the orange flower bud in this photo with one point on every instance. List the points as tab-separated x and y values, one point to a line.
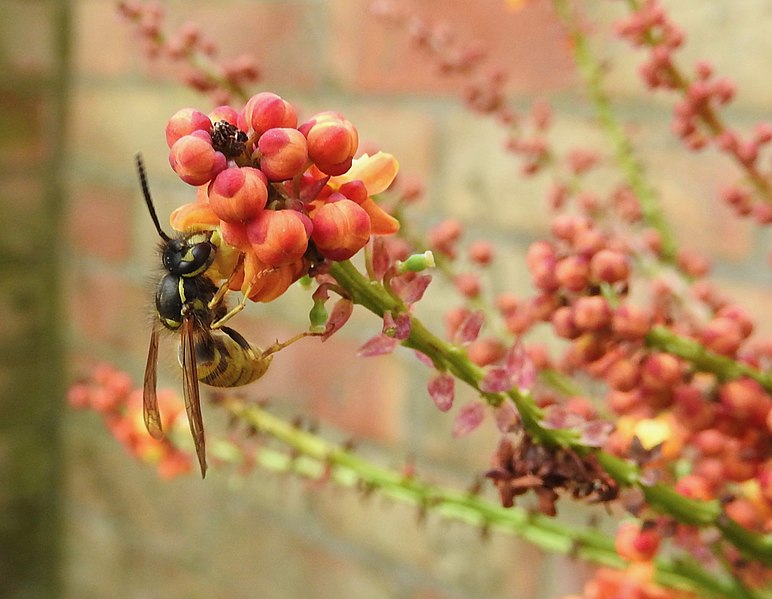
332	142
341	229
195	160
609	266
284	153
265	111
279	236
268	283
235	235
238	195
185	122
354	191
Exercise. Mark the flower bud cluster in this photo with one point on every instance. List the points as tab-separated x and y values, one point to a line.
696	116
111	393
286	195
589	291
192	50
583	277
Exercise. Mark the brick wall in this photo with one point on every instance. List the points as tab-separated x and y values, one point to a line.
126	534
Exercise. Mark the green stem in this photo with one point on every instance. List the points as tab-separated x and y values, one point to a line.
321	460
449	357
633	171
703	359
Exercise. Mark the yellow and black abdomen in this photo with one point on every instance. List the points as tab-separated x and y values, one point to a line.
225	359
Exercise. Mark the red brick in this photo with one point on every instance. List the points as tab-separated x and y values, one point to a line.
529	43
107	310
99	221
688	186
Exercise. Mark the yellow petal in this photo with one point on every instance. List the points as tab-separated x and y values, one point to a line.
377	171
381	222
194	216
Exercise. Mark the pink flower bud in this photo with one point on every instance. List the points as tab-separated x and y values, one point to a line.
195	160
237	195
660	371
468	284
690	408
572	272
631	322
486	351
354	191
332	142
481	252
609	266
224	113
623	375
563	323
591	313
637	542
279	236
722	335
541	259
185	122
744	399
265	111
284	153
740	316
443	237
341	229
506	303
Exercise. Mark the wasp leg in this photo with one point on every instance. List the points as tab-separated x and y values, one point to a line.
235	310
278	346
218	297
224	286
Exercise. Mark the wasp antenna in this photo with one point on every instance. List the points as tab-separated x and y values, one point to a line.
148	199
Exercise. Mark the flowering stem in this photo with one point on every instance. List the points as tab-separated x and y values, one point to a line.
317	459
446	356
703	359
707	114
591	71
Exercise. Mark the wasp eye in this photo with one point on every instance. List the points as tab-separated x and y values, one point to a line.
186	260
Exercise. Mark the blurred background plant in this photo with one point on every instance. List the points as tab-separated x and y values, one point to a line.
571	325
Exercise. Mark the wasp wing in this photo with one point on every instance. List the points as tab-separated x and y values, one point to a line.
149	398
190	391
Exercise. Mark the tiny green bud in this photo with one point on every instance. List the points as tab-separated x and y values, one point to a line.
318	315
416	262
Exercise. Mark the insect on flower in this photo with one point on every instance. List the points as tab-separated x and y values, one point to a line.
188	301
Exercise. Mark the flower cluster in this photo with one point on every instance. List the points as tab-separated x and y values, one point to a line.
110	392
696	116
285	196
192	50
653	390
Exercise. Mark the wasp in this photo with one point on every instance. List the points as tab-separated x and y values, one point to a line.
188	301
